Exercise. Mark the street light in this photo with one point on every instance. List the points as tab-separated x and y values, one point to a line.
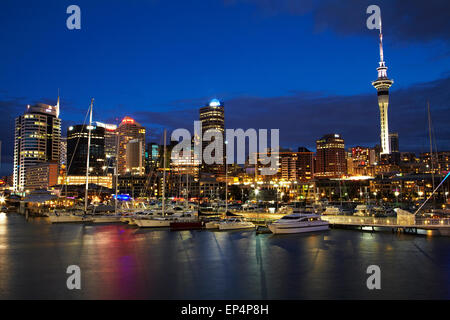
396	196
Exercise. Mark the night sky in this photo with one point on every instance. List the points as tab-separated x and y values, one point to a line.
302	66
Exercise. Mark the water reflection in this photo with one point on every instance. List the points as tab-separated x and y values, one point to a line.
122	262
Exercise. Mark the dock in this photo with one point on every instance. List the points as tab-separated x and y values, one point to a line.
416	225
426	226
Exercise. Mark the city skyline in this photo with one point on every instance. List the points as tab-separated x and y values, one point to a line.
320	103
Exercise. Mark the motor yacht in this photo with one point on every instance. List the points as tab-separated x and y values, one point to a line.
298	223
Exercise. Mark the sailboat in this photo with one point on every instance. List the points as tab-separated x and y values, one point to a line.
64	217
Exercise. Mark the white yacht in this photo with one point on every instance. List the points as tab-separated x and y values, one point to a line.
333	211
235	223
163	221
298	223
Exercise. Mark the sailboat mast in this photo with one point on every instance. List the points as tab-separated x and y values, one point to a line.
116	171
164	178
431	146
88	155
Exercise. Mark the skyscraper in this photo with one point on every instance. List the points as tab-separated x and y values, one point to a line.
111	142
331	161
212	117
36	140
134	160
77	147
382	84
393	142
129	130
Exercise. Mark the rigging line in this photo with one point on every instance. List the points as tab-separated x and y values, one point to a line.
76	146
448	174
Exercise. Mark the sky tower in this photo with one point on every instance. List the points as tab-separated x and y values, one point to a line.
382	84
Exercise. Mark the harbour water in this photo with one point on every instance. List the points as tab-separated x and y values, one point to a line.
122	262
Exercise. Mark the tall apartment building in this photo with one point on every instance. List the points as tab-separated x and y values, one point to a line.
212	117
37	137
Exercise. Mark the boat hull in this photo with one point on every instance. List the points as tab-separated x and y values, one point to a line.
233	226
152	223
286	229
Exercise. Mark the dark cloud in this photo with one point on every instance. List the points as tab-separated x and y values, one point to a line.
304	116
404	20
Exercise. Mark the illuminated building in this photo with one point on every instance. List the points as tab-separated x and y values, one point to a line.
152	156
361	161
129	130
36	140
63	151
296	166
134	158
105	181
393	142
77	147
330	157
42	176
135	186
382	84
111	142
212	117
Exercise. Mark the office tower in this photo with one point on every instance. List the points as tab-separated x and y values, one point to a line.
382	84
111	143
36	140
330	157
152	155
63	152
129	130
77	147
134	159
212	117
393	142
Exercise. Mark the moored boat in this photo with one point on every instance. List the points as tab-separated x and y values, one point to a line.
235	223
298	223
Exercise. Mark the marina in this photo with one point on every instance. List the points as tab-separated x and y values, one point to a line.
118	261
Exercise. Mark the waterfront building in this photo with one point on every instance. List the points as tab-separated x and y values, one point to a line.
382	84
105	181
42	176
212	117
135	185
37	137
330	157
77	149
128	130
